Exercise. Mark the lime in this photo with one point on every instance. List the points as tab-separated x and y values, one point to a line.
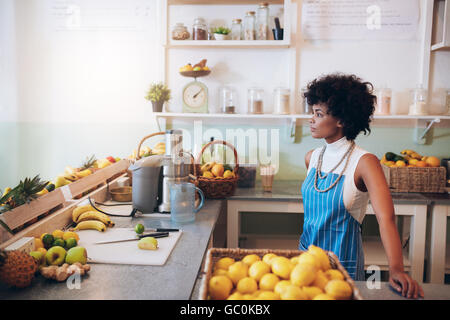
59	242
47	239
139	228
70	243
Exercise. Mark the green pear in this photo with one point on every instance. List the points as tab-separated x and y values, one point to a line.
55	256
76	254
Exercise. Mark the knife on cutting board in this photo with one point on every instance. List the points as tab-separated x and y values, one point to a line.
138	237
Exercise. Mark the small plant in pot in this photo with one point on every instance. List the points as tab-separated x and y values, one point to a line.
221	33
158	94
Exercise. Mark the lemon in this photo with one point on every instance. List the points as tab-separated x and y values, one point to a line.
220	272
323	296
334	274
235	296
71	234
208	174
38	243
294	260
258	269
217	170
43	250
268	295
250	259
247	285
293	292
303	275
58	234
267	258
339	289
228	174
312	292
224	263
308	258
321	257
220	287
268	281
281	286
282	267
248	296
237	271
148	243
321	280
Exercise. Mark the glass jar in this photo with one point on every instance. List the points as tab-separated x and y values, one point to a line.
262	22
249	26
236	29
418	101
199	30
228	99
255	100
281	101
180	32
306	108
383	104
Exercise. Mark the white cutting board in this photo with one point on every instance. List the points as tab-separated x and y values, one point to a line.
125	252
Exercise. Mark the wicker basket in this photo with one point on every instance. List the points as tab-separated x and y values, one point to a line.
218	188
415	179
214	254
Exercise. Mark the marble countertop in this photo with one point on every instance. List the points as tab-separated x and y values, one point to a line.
290	190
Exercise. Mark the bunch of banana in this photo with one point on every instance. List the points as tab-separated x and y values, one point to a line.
411	154
87	217
207	166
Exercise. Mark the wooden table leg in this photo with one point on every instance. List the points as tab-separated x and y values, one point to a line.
436	270
417	242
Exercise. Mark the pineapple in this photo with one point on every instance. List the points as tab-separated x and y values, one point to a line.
25	192
88	163
17	268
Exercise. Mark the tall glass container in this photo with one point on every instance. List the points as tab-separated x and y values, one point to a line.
249	26
383	105
236	29
255	100
199	30
262	22
281	101
418	101
228	99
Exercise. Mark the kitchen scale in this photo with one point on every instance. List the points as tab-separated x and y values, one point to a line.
195	93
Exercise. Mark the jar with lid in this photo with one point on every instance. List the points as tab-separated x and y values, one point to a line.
255	100
228	99
199	30
418	101
306	108
236	29
262	22
180	32
281	100
249	26
383	104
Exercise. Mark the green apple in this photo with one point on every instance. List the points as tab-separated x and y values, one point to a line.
55	256
197	69
59	242
76	254
38	256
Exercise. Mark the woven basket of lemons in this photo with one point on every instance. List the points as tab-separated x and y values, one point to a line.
266	274
213	179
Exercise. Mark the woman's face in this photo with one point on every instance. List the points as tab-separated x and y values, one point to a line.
324	125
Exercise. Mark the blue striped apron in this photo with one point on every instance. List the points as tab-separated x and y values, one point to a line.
328	225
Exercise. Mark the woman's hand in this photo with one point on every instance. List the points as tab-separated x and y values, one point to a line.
403	283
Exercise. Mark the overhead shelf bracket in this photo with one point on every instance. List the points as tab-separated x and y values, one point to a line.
419	135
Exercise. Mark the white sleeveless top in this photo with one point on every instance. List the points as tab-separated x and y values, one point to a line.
355	201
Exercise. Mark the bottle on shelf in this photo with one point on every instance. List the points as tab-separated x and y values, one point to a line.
262	22
249	26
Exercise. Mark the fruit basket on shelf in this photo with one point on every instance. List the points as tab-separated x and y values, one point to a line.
321	278
217	185
198	70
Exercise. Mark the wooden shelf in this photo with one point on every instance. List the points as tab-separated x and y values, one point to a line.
440	46
220	2
255	44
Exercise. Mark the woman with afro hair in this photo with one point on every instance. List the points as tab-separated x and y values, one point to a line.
342	177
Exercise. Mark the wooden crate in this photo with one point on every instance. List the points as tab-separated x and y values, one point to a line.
62	218
214	254
21	217
415	179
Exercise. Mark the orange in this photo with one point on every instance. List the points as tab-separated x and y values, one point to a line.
433	161
217	170
421	164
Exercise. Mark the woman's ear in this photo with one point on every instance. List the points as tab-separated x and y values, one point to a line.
340	124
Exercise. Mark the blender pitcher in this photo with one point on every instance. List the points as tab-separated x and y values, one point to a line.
182	202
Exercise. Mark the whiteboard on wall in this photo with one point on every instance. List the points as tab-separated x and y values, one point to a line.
360	19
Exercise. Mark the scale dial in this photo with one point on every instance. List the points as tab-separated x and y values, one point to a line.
195	96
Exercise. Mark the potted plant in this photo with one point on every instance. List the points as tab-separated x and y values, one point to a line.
221	33
158	94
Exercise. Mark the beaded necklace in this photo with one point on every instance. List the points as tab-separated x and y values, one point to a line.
319	167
